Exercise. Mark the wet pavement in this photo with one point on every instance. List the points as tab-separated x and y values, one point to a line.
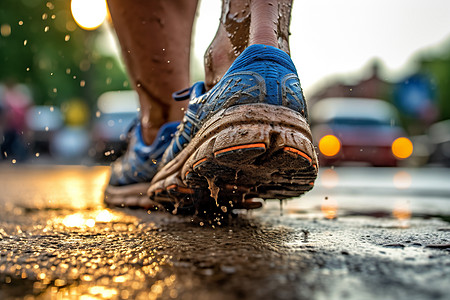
360	234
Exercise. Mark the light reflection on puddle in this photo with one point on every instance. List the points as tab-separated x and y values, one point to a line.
86	219
402	180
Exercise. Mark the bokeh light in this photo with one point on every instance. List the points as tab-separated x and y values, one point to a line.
89	14
402	148
329	145
402	180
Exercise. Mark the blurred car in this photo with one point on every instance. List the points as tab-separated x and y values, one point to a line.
358	130
116	112
439	139
43	122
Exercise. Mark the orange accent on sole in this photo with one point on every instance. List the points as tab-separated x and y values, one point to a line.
158	191
198	162
296	151
248	146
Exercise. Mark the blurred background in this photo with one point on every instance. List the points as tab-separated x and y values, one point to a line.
376	75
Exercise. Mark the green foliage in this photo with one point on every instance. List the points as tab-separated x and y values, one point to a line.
42	46
438	67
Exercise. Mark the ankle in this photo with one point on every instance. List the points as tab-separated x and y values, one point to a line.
218	58
245	23
150	128
264	23
148	135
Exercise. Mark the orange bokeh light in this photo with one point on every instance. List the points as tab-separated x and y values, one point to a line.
402	148
329	145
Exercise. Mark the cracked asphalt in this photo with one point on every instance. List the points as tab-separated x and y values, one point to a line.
360	234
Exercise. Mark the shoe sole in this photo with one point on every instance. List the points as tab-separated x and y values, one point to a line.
133	195
246	151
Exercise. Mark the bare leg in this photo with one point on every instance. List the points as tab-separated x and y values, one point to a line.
245	23
155	37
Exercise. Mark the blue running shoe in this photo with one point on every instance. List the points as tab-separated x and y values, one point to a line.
248	137
131	174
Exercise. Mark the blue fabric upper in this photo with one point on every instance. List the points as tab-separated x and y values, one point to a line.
261	74
140	162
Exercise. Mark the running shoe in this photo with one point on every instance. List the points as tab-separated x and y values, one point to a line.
131	174
247	137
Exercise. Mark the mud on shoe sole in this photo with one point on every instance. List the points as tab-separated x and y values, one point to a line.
252	151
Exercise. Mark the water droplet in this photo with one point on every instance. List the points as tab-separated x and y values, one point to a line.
44	16
168	61
37	154
25	42
85	65
20	23
82	83
50	5
46	29
68	71
67	38
5	30
28	69
46	128
71	26
13	161
53	17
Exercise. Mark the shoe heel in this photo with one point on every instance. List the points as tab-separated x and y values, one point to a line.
250	155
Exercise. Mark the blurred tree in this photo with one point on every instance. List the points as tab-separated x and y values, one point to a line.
41	45
438	68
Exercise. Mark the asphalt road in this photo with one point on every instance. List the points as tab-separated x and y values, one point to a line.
360	234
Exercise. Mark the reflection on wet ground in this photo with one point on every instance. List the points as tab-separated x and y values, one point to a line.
57	241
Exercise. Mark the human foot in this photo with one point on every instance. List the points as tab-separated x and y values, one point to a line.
131	174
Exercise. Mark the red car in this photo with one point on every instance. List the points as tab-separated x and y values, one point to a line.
358	130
